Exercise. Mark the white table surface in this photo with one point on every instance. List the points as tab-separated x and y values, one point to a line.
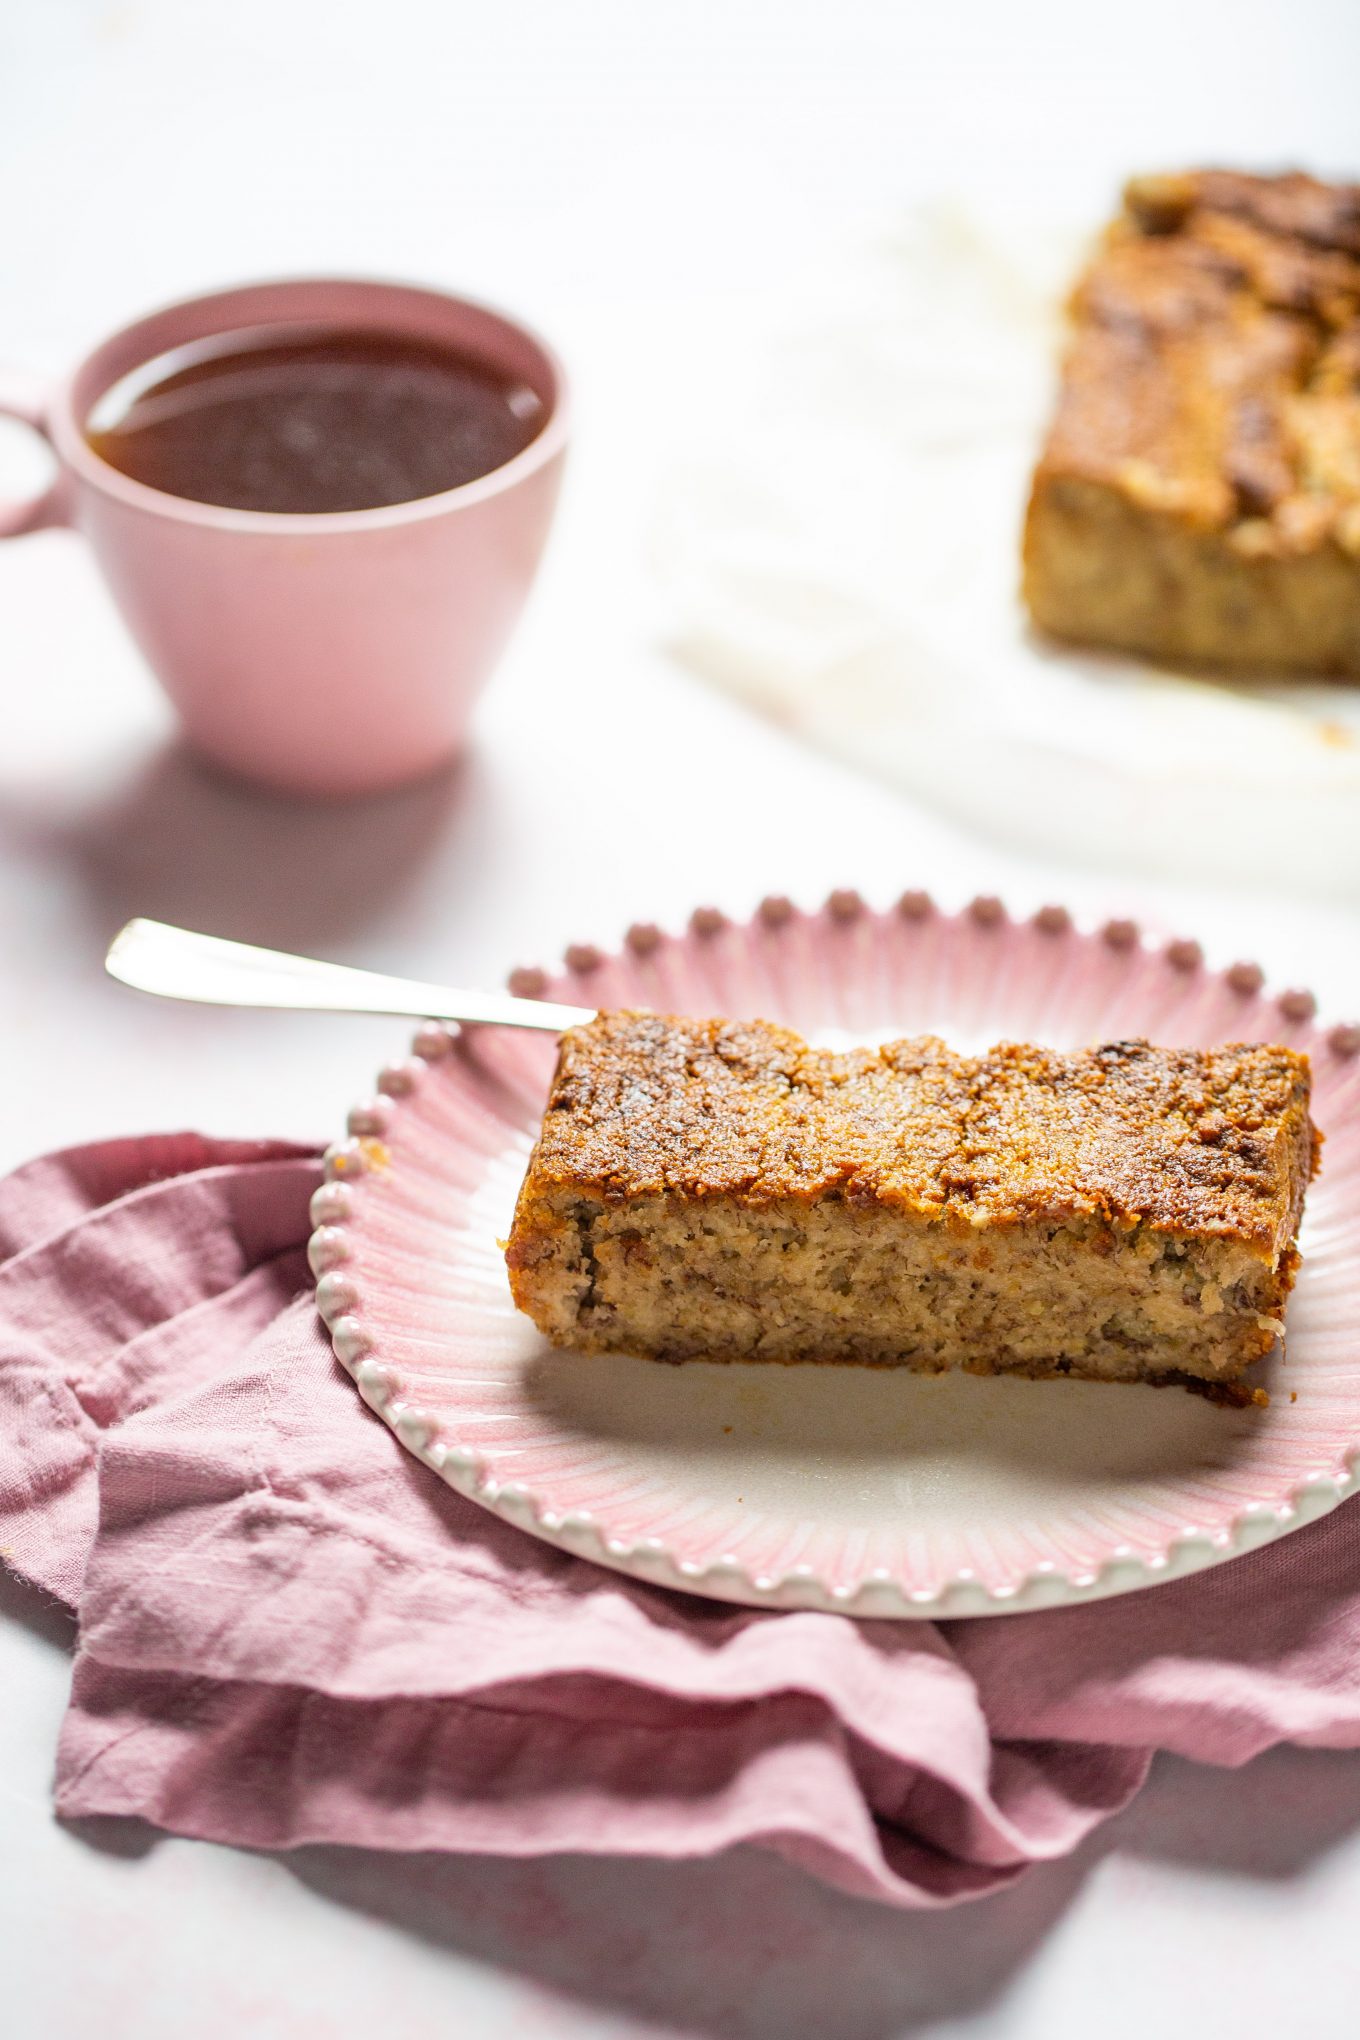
634	176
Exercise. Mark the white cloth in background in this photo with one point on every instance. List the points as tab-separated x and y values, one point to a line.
842	551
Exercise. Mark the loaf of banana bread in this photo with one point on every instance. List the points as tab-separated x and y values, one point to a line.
1199	495
709	1188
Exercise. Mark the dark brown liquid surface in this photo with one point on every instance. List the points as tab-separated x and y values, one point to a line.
312	420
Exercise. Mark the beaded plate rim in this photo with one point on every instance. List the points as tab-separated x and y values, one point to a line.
357	1345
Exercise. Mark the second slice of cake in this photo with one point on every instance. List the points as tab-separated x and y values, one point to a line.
707	1188
1199	495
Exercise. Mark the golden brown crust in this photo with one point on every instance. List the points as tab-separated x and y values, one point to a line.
1190	1142
1211	348
1209	416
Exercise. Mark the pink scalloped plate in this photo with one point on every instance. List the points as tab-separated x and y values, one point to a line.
875	1491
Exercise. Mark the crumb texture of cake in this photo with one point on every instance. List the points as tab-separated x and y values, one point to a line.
1199	495
722	1190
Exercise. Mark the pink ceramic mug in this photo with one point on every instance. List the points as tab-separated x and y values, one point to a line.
328	654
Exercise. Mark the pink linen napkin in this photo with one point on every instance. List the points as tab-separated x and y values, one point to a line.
290	1631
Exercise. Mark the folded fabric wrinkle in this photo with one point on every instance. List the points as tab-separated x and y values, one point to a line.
289	1631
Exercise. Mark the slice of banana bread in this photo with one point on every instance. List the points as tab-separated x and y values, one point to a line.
1199	495
719	1189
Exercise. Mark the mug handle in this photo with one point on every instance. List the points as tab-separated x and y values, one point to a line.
26	402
